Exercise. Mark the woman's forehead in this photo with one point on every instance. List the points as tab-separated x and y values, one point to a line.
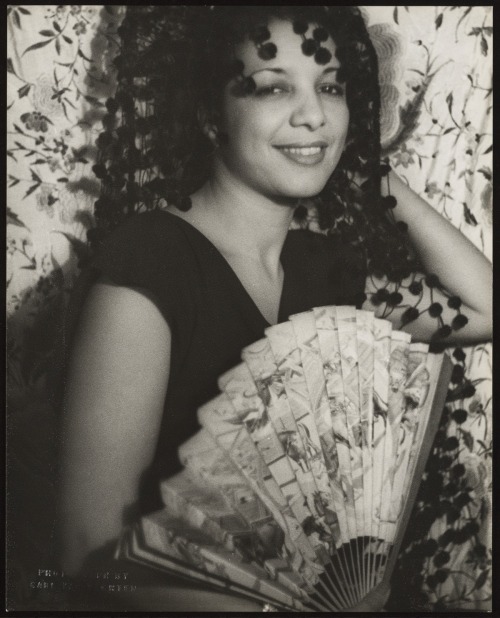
289	53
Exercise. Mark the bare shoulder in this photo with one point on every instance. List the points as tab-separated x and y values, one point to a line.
123	314
122	344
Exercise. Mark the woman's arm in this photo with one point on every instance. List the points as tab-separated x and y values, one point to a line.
113	407
443	250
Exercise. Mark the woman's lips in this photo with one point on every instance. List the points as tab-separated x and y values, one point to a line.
311	154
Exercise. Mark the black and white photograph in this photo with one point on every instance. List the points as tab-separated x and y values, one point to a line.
249	310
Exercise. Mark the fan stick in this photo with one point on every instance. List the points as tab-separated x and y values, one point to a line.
329	593
346	578
345	589
334	583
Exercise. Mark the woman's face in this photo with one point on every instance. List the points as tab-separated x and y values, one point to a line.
286	138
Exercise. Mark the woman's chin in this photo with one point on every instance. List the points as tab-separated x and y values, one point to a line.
304	193
292	199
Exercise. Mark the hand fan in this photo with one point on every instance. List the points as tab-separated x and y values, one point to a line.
299	486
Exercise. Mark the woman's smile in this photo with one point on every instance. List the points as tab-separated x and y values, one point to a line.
304	154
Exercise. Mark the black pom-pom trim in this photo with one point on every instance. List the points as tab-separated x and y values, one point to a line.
459	321
447	537
267	51
451	444
112	106
385	168
104	139
410	315
441	575
454	302
458	470
395	298
309	47
300	26
430	547
322	56
436	347
457	374
260	34
382	294
459	354
389	201
99	170
435	310
432	280
300	213
442	558
443	332
320	34
415	288
184	204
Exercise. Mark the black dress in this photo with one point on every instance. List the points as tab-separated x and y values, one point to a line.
210	314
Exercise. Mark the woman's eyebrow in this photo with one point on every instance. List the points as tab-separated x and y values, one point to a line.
273	70
280	71
331	69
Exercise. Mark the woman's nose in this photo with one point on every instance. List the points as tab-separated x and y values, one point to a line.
308	111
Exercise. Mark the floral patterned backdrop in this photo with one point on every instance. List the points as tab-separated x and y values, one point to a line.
59	77
436	77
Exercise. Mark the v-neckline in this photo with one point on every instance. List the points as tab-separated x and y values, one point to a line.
232	273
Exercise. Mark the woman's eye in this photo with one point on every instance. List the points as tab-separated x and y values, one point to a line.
279	89
333	89
263	91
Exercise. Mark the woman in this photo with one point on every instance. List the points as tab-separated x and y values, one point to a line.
176	294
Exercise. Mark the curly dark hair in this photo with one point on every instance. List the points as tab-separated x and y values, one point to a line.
175	61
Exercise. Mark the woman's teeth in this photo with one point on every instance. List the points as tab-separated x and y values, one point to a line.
304	155
309	150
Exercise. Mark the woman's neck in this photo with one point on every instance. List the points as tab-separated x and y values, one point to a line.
240	222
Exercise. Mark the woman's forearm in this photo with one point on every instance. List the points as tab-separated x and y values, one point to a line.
442	249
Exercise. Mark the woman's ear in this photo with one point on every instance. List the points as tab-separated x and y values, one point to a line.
208	127
211	132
